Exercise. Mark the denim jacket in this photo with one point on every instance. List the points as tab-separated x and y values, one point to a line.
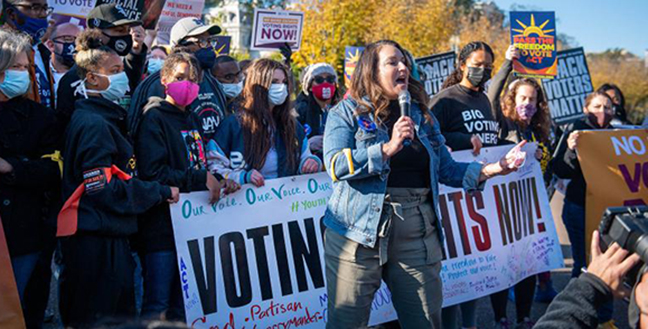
354	160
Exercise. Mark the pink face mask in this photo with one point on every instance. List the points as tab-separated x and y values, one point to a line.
182	92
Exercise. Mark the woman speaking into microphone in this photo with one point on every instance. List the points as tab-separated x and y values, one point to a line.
382	218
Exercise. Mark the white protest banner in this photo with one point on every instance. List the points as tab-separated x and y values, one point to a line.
173	11
496	238
567	92
256	259
72	11
435	69
272	29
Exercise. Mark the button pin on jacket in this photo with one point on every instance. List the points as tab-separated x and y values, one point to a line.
366	124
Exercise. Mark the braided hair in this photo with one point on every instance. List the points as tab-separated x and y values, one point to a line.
466	51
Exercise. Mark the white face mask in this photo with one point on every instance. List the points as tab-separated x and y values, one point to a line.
278	93
232	90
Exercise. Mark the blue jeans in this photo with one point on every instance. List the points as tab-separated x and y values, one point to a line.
23	267
162	290
573	217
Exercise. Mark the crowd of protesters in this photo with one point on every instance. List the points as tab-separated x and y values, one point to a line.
101	130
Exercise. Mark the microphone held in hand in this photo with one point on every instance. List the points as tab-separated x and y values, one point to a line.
404	100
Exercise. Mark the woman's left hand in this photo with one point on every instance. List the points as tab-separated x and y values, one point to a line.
513	160
310	166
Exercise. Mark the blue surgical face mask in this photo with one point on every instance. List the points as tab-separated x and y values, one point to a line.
278	93
16	83
117	88
232	90
35	27
154	65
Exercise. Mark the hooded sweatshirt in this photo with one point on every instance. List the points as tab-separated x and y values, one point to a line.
96	141
171	150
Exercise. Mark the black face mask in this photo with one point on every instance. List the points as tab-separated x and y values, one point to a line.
66	56
122	45
206	57
600	120
478	76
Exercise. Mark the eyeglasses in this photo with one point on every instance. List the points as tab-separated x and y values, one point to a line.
36	8
65	39
203	43
319	79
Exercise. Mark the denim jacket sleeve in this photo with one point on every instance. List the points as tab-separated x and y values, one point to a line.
459	174
343	160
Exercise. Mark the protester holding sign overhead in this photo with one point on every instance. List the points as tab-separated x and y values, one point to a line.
125	37
523	114
193	36
263	140
103	199
382	219
320	91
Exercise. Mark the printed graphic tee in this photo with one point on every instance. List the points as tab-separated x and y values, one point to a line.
463	112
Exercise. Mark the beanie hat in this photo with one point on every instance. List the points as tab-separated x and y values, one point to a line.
313	70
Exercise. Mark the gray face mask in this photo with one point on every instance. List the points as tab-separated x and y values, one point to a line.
478	76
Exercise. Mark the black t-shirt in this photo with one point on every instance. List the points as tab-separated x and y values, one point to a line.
411	166
463	112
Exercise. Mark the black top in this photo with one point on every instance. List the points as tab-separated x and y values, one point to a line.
96	139
463	112
171	151
25	136
566	165
411	166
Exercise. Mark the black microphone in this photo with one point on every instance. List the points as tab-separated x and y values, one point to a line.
404	100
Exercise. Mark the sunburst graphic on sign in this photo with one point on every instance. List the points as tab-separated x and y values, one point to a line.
533	29
352	58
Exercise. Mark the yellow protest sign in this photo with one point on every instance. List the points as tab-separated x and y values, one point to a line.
615	167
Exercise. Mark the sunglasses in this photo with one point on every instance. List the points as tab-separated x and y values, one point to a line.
319	79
